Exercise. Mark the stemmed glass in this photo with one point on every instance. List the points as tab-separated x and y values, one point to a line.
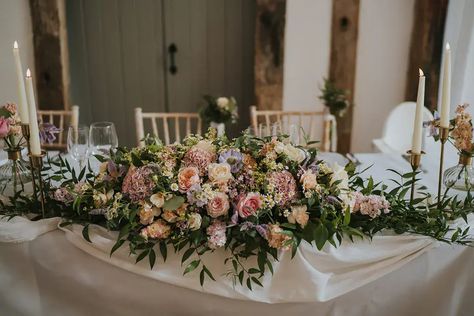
78	143
102	138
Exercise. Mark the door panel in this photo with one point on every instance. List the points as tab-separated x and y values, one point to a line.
119	57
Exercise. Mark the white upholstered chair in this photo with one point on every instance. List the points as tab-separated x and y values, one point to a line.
62	119
169	127
310	124
398	129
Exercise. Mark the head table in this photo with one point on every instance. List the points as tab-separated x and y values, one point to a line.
49	271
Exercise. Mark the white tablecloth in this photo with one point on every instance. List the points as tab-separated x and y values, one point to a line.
61	274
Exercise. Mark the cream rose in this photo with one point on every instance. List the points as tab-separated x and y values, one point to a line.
147	213
218	205
308	180
219	172
299	215
194	221
187	177
157	199
340	174
206	146
294	153
222	102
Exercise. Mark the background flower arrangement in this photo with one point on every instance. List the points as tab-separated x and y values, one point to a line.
334	99
251	196
219	110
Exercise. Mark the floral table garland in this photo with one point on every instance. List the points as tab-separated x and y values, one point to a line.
252	196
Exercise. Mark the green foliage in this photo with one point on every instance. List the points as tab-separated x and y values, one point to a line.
335	99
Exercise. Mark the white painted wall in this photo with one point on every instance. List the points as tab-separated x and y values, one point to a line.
307	48
385	28
16	25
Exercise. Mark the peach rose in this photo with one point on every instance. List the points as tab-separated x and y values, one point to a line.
147	213
299	215
158	199
219	172
218	205
308	180
249	204
187	177
159	229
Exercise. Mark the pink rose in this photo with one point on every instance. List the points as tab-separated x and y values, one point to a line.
249	204
4	127
218	205
187	177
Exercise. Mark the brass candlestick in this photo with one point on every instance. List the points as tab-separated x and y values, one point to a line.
25	130
415	161
37	166
443	137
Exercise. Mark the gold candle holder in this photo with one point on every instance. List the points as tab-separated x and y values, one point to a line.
25	131
415	161
443	137
36	166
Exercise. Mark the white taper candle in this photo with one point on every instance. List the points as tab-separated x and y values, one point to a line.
446	88
418	124
35	145
22	101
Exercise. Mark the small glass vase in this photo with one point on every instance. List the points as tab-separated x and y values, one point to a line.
220	127
461	176
14	173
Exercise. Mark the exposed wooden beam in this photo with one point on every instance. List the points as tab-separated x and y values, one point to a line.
344	34
51	55
426	49
269	53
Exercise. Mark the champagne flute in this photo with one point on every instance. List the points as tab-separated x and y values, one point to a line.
78	143
103	138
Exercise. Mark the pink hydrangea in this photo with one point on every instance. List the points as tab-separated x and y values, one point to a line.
371	205
138	183
216	232
285	186
199	158
63	195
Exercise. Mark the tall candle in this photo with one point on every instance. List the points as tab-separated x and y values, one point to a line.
418	124
35	145
446	88
22	101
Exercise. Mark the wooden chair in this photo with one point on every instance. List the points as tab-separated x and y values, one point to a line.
62	119
306	122
168	123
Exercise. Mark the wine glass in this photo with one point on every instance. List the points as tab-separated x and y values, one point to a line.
78	143
103	138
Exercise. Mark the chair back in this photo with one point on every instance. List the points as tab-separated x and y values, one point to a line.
167	126
62	119
398	129
311	124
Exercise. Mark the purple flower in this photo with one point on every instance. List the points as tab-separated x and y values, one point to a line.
262	230
47	133
196	196
233	158
432	125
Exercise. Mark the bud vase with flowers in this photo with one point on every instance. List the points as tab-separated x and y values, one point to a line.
218	111
14	172
461	176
